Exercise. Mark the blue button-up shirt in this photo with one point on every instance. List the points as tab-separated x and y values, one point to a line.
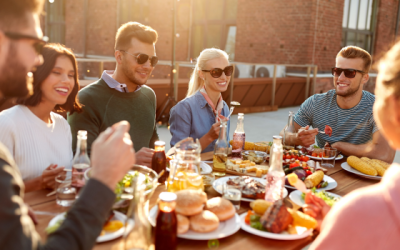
193	117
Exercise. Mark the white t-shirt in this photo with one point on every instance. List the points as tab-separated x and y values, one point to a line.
33	143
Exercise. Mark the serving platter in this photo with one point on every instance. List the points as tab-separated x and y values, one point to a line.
295	196
303	232
219	183
108	235
332	184
339	157
348	168
225	228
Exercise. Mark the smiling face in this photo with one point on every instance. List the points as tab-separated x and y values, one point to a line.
216	85
59	84
137	73
349	86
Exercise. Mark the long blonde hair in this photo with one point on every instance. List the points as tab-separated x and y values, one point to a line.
196	83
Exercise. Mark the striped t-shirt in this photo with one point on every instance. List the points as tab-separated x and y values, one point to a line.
355	125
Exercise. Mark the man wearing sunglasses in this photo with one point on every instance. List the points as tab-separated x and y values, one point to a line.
112	155
121	94
347	109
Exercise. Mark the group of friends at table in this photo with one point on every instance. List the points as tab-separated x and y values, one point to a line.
118	112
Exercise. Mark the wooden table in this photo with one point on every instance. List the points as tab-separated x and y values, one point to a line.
347	182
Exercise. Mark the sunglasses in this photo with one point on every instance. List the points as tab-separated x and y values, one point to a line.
217	72
38	45
143	58
349	73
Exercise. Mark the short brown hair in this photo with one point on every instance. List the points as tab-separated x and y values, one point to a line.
130	30
389	69
13	13
356	52
50	54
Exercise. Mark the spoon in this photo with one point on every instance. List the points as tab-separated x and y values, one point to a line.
233	104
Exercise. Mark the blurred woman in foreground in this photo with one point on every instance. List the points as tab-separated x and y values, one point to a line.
39	139
369	218
199	115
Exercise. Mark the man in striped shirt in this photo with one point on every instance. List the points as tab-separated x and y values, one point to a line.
347	109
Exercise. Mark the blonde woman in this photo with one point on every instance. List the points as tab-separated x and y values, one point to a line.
199	115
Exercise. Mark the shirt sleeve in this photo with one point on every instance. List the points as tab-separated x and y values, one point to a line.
304	115
373	123
7	134
180	122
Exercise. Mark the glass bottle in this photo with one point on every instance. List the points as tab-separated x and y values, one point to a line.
166	223
81	161
159	160
290	132
137	235
276	175
239	137
220	152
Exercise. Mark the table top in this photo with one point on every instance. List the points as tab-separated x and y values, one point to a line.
346	181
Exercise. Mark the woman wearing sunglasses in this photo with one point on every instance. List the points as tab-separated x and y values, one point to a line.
368	218
39	139
200	114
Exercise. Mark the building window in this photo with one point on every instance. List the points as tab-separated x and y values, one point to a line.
359	23
214	25
55	21
133	10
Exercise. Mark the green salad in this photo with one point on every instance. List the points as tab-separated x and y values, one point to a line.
126	182
329	199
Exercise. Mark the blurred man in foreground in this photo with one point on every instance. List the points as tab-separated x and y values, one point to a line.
347	109
112	152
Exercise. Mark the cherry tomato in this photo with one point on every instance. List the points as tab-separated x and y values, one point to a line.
306	158
314	154
288	156
293	165
284	157
308	172
321	154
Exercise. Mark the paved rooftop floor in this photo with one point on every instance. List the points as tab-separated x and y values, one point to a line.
258	126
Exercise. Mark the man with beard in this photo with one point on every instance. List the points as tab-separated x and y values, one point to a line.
347	109
112	153
122	94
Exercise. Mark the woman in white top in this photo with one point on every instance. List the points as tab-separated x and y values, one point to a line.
39	139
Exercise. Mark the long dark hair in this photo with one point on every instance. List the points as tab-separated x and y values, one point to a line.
50	54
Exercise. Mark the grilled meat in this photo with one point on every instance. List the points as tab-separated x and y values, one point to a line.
276	218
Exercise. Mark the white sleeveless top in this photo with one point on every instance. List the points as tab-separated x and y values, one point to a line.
33	143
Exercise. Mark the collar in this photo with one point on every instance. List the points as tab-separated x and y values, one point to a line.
112	83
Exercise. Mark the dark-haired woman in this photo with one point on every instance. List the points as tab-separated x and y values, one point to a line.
39	139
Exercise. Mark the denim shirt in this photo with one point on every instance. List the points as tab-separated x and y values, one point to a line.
193	117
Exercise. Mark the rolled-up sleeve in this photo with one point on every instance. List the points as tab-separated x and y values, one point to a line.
180	122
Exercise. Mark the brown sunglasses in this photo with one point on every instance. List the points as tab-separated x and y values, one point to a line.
349	73
217	72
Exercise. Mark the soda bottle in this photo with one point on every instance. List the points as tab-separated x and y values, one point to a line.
239	137
166	223
276	175
159	160
81	161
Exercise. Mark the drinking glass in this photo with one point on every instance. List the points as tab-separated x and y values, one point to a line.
329	157
65	192
233	193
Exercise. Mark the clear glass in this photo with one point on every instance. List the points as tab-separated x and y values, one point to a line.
81	161
138	236
328	160
239	137
290	131
233	193
276	175
188	153
184	176
65	192
220	152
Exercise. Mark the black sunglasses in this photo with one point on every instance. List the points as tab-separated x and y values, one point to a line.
217	72
143	58
38	45
349	73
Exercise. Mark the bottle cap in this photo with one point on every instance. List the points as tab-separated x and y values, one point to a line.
277	137
241	114
159	143
167	196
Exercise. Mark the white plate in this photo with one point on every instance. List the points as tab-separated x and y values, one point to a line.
347	167
295	196
282	236
339	157
332	184
217	185
225	229
205	168
108	236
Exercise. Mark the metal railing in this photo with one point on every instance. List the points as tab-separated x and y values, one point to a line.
178	64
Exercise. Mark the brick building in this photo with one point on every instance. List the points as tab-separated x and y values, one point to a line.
256	31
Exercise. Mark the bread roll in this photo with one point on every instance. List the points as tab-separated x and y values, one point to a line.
204	222
221	207
183	224
190	202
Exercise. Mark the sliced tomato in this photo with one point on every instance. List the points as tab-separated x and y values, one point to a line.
288	156
308	172
328	130
293	165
